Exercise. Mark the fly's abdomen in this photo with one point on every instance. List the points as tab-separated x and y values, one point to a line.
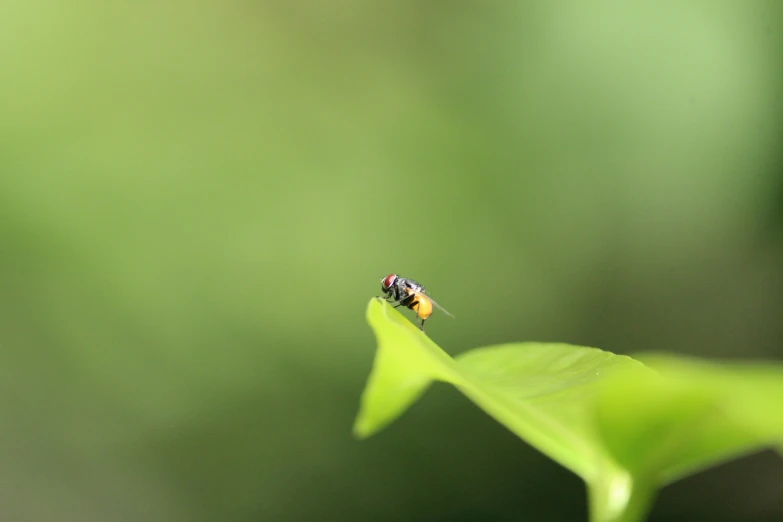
422	306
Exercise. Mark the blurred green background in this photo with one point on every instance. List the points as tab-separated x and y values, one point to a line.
197	202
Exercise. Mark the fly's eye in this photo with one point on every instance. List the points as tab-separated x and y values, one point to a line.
388	281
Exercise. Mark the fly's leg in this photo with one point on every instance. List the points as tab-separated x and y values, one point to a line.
401	301
388	298
421	322
397	303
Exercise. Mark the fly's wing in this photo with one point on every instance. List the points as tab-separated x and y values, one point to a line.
414	287
439	306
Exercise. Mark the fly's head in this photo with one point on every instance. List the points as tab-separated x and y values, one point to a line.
388	282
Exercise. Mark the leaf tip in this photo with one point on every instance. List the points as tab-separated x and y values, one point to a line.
373	305
362	429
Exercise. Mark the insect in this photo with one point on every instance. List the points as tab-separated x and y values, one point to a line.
412	295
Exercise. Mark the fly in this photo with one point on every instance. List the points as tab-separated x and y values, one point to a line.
412	295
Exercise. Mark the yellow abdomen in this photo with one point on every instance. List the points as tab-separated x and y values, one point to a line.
423	306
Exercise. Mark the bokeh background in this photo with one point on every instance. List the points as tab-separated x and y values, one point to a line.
198	200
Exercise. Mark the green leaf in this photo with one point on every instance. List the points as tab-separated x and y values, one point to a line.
539	391
694	415
624	427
